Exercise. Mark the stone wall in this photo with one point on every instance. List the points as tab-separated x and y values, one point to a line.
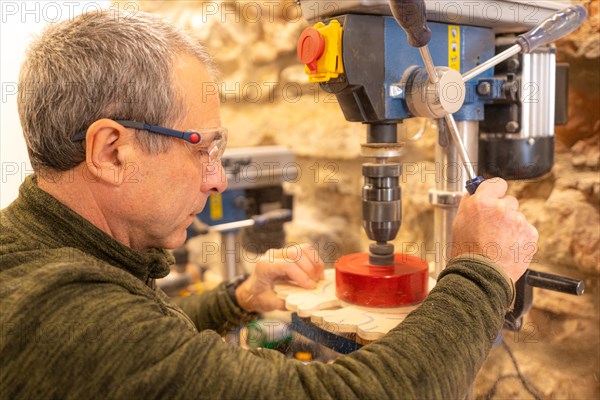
266	100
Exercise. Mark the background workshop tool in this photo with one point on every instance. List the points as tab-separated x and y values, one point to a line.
379	59
254	200
249	215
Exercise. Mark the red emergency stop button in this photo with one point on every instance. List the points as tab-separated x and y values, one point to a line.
310	48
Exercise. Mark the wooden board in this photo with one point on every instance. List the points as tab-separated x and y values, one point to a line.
328	312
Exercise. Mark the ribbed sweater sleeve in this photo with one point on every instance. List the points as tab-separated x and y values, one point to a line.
213	310
138	349
435	353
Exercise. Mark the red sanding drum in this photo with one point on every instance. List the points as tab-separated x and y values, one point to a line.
398	285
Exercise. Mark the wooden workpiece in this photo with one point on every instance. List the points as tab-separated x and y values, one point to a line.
328	312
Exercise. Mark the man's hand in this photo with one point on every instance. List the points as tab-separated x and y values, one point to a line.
489	223
298	264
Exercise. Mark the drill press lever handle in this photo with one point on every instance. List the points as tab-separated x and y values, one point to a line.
560	24
554	282
513	320
411	16
282	215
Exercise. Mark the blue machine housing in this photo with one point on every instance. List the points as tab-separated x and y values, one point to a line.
376	55
224	208
476	45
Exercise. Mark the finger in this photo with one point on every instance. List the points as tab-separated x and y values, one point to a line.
268	301
292	272
296	255
299	256
494	188
311	253
528	231
511	203
307	266
521	220
313	257
535	235
271	301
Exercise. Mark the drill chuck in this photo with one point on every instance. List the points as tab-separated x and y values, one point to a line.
382	208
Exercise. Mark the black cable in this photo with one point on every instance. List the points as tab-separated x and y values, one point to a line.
524	381
530	387
492	392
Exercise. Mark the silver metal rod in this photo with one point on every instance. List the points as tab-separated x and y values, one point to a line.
492	62
230	226
450	187
231	254
426	56
460	146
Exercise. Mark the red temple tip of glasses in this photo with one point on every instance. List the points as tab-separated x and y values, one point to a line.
194	138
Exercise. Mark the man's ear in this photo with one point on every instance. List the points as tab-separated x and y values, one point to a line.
109	148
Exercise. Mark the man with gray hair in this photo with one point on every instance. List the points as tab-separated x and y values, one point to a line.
126	148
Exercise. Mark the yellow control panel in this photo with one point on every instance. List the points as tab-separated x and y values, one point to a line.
320	49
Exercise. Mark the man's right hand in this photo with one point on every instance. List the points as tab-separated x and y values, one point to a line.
489	223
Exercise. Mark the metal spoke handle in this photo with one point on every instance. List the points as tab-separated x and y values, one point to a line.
411	15
559	25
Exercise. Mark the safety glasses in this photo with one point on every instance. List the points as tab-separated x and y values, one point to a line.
210	143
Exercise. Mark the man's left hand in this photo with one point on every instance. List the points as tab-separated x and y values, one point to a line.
296	264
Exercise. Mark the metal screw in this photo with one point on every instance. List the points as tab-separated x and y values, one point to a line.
513	64
512	126
484	88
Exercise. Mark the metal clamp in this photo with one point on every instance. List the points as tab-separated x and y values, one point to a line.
445	199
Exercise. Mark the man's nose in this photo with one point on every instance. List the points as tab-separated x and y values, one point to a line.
214	179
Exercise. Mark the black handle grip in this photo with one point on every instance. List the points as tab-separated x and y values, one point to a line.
473	184
560	24
554	282
412	17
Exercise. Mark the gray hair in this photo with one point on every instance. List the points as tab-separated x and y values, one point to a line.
103	64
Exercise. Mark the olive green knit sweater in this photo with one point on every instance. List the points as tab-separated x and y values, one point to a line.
80	319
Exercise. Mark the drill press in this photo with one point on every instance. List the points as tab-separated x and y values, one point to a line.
371	53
